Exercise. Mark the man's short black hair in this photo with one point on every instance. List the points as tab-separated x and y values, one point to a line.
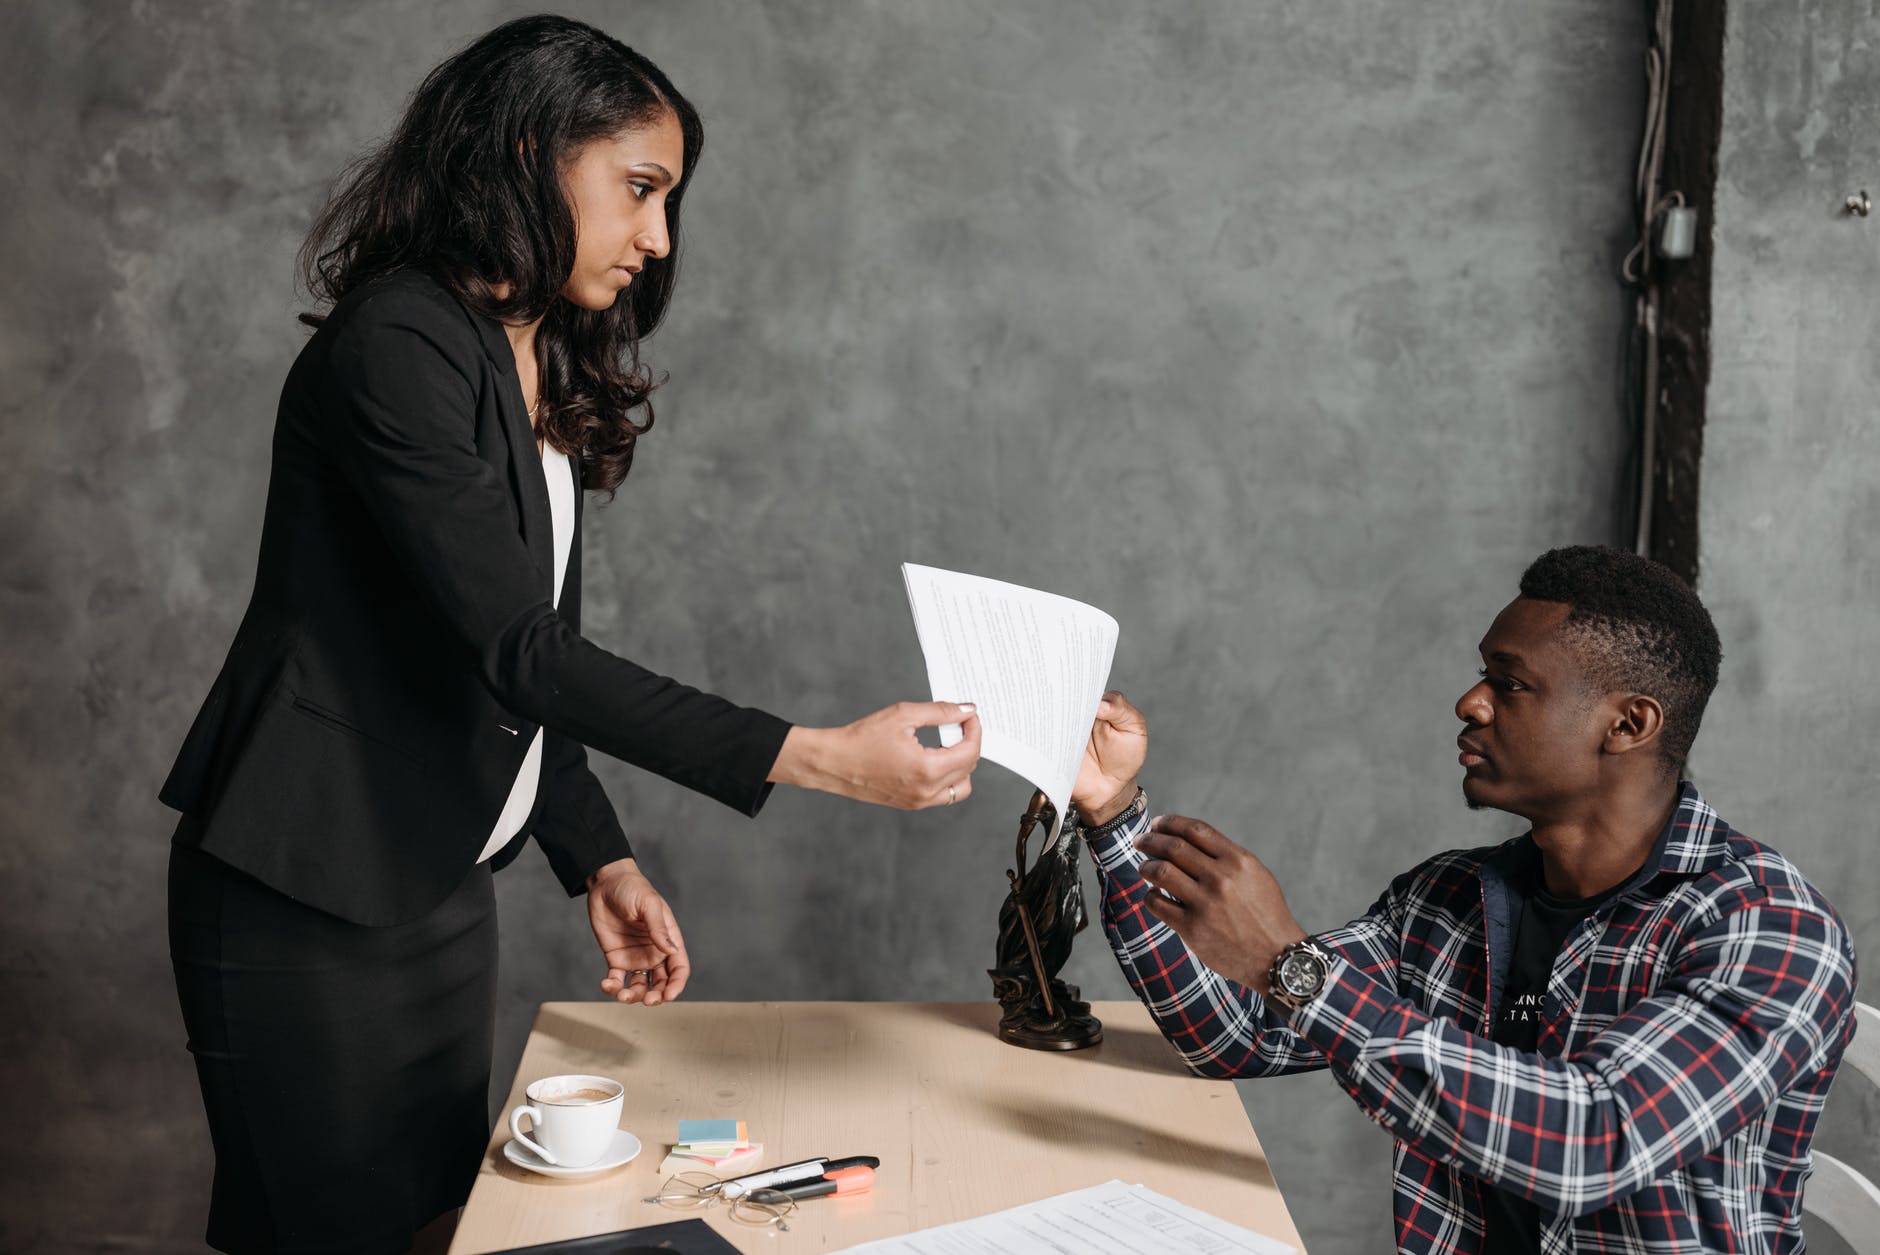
1637	627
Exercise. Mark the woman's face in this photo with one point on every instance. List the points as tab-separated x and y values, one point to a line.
617	187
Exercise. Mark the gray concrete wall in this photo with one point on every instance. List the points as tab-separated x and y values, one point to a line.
1285	331
1791	471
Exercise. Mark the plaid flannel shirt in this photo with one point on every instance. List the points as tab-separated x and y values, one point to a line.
1690	1030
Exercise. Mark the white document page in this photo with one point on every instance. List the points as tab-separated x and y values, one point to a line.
1035	664
1112	1219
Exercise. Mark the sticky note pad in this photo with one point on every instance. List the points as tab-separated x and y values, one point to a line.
695	1131
683	1161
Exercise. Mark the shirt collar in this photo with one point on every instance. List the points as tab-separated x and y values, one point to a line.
1693	841
490	331
496	344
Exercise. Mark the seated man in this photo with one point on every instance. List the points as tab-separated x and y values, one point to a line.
1612	1033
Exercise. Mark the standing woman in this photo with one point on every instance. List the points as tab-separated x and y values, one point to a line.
408	696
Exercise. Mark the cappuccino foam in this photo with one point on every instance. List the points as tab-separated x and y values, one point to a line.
578	1097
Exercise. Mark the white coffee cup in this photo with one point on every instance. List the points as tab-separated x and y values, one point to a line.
574	1118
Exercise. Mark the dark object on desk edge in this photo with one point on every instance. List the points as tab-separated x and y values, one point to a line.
1041	915
681	1237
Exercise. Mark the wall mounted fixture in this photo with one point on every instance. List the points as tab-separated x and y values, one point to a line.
1677	233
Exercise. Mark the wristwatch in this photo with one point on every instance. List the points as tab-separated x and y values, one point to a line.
1298	974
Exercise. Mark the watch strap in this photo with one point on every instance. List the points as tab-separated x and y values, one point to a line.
1122	819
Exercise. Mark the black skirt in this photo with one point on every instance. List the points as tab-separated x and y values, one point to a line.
345	1069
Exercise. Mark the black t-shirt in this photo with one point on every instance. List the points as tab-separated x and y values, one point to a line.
1541	928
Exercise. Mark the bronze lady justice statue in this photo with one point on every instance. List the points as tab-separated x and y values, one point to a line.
1040	916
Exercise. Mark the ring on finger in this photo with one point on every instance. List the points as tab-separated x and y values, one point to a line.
953	794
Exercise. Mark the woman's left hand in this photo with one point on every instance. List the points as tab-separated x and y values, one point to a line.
646	959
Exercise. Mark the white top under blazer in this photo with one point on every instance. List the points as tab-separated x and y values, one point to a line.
561	490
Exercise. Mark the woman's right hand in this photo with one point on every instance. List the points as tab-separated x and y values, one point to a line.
879	759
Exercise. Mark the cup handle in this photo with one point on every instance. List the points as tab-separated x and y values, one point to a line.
535	1120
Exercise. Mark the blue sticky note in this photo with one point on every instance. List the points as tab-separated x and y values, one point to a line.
693	1131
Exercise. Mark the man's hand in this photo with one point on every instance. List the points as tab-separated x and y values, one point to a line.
646	960
1113	758
880	759
1229	909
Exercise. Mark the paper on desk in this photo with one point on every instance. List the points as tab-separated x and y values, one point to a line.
1110	1219
1034	663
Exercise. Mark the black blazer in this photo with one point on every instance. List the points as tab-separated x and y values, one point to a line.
401	647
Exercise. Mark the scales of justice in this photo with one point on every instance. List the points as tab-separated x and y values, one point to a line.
1041	915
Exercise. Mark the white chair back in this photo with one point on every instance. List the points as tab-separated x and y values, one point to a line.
1838	1196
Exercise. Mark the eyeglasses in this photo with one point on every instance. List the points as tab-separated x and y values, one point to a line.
695	1191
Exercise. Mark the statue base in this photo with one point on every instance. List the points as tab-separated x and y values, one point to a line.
1028	1023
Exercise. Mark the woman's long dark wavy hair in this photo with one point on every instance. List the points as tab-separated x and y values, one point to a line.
469	189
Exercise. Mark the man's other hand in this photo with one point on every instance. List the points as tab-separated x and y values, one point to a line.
1227	906
1113	758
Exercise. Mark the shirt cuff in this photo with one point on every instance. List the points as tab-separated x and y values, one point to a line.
583	845
1341	1021
1113	845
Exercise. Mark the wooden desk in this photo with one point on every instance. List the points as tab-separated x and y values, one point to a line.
963	1123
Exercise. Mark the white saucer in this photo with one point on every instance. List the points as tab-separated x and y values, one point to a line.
625	1146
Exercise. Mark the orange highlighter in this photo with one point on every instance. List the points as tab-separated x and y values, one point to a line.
856	1180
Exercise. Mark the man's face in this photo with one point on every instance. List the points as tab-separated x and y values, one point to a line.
1534	730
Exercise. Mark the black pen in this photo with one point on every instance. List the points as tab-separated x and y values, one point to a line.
802	1170
853	1161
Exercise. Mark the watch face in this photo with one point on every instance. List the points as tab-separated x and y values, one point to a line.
1301	974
